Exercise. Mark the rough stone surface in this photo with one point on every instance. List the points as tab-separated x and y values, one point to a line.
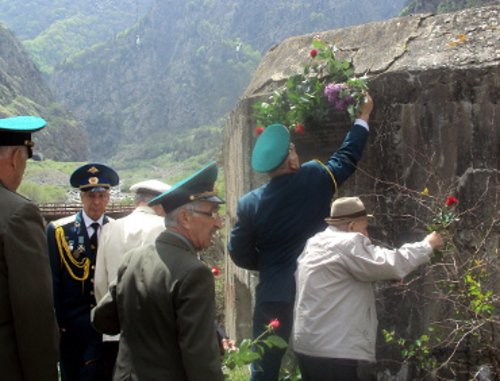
435	81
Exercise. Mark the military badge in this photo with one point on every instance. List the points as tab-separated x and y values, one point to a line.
76	228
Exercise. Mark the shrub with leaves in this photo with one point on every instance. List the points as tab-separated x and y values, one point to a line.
248	351
460	283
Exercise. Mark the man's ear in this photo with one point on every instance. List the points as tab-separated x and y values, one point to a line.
350	227
15	156
183	218
293	164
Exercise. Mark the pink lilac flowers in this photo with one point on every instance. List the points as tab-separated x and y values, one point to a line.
338	95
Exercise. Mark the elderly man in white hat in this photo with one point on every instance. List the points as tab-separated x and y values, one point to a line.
141	227
335	318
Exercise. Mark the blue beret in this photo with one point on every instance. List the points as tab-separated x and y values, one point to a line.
271	148
94	177
16	131
199	186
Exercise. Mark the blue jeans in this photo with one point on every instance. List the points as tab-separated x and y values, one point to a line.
268	367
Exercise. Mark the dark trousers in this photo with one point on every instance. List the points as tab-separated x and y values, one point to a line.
82	358
109	354
327	369
268	367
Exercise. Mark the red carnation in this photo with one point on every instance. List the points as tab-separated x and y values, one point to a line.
313	53
300	129
259	130
274	323
451	201
215	271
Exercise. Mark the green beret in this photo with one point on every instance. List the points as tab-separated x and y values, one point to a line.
271	149
199	186
94	177
16	131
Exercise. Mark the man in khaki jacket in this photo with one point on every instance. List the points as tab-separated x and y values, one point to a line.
163	301
28	330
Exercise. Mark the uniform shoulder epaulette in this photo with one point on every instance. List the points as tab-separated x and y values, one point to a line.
64	221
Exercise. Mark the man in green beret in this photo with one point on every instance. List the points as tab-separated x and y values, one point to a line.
28	329
275	221
163	300
73	244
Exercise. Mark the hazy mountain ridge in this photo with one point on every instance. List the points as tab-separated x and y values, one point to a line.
53	30
154	82
24	92
185	65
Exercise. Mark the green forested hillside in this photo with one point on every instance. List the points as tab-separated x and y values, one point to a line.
53	30
153	81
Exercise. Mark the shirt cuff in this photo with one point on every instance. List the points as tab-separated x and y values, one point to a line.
361	122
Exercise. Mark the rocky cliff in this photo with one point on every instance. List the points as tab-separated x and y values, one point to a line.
435	81
23	92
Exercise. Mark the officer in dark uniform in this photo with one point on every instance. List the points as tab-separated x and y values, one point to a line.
276	220
73	248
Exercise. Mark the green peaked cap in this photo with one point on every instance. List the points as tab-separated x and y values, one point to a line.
199	186
271	148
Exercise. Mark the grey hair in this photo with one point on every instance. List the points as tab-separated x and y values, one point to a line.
171	217
143	197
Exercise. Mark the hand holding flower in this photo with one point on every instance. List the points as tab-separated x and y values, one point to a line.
435	240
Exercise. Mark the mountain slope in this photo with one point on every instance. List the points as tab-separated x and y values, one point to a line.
53	30
23	92
185	65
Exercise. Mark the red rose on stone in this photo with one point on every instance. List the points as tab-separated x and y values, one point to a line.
300	129
451	201
313	53
215	271
274	323
259	130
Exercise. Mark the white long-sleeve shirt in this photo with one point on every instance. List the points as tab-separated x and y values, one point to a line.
141	227
335	314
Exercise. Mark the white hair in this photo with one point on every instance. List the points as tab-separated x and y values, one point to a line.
171	217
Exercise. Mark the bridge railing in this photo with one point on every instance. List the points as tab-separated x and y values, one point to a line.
52	211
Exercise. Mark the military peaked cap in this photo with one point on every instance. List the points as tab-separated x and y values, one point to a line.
199	186
94	177
16	131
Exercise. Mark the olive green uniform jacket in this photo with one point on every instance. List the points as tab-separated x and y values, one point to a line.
163	304
29	336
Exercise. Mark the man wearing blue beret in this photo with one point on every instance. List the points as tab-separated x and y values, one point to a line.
73	249
28	329
163	300
275	221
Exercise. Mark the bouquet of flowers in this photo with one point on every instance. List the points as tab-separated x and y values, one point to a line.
324	85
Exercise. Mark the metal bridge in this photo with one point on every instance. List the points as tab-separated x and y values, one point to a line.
54	211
